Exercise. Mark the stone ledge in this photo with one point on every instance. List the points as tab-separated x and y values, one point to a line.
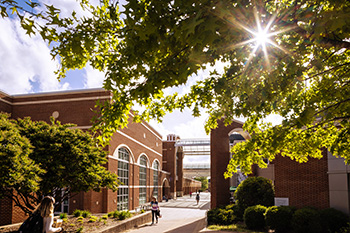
122	226
128	224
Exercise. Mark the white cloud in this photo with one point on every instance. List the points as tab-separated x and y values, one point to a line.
26	64
93	78
182	124
67	6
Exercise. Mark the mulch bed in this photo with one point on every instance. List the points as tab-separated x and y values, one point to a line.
73	224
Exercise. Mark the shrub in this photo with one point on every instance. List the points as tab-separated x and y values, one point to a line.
104	216
212	216
77	213
124	215
121	215
80	229
345	229
93	219
63	215
219	216
110	214
306	220
254	191
237	212
254	217
85	213
279	218
333	220
116	214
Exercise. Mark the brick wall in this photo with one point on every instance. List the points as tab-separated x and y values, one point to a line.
191	185
169	160
305	184
220	156
6	208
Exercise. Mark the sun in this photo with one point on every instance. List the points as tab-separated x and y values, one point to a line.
262	37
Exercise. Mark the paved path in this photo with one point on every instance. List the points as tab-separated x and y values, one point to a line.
182	215
188	202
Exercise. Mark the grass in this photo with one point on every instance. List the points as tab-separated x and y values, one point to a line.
233	227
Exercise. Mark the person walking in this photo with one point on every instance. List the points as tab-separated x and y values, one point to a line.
155	209
197	198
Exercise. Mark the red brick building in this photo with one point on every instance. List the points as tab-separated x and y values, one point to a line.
134	153
321	183
173	163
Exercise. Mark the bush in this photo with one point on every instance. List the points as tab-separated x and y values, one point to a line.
237	212
306	220
63	215
333	220
77	213
93	219
254	191
121	215
254	217
279	218
345	229
220	216
85	213
124	215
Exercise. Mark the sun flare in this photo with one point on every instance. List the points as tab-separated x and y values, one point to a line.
262	37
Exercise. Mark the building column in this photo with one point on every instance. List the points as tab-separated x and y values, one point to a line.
219	159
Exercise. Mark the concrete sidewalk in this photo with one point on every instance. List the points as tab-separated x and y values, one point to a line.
182	215
188	202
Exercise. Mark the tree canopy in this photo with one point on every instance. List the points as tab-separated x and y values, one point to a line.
298	69
39	159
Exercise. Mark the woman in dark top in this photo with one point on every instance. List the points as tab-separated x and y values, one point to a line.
155	209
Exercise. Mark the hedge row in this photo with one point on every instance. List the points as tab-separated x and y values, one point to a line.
282	219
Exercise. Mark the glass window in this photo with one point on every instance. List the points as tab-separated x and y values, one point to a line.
123	175
143	180
155	179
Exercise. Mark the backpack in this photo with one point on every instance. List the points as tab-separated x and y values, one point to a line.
33	224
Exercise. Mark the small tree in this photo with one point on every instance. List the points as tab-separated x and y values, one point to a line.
17	170
67	160
204	181
255	191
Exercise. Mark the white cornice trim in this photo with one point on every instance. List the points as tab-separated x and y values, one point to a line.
5	101
134	140
152	131
81	127
55	93
61	100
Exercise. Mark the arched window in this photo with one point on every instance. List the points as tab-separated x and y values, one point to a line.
123	175
155	179
143	180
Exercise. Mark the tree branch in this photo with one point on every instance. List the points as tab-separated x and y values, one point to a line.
324	41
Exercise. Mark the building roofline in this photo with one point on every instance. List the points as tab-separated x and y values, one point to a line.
63	92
